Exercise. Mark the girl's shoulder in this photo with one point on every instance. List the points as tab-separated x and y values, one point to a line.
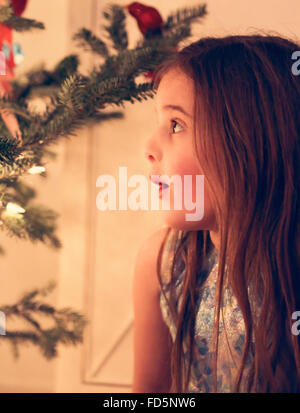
168	258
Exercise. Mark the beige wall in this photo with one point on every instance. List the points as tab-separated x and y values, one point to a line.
94	268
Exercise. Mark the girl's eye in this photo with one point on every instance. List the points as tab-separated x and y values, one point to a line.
175	123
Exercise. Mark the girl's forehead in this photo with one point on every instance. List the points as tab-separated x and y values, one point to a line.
175	88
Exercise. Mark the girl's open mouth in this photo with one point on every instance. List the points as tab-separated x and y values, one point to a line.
162	186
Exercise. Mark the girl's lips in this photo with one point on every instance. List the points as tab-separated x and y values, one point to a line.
161	189
159	182
160	192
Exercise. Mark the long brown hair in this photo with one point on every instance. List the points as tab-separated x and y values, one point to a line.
247	141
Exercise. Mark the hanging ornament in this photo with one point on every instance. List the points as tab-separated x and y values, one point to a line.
148	18
13	56
19	6
149	21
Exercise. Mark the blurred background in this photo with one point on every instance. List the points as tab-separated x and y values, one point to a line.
94	268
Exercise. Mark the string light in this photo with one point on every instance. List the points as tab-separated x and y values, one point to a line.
36	170
14	210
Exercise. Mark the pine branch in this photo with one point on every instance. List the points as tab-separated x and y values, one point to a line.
37	223
9	149
41	224
70	92
79	98
23	193
16	168
129	63
168	42
116	29
35	81
68	324
89	41
67	66
12	106
97	117
63	123
185	16
20	24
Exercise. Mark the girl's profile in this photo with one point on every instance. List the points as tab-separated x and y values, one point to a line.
227	285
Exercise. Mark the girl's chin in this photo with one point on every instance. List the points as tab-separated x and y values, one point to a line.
178	220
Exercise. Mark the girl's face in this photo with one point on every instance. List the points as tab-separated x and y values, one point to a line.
170	150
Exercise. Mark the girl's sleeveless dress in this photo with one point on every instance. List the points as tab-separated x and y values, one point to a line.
201	379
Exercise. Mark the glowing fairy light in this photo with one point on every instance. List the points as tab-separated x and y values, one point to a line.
13	209
36	170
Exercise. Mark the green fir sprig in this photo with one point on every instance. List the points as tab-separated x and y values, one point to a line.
18	23
67	325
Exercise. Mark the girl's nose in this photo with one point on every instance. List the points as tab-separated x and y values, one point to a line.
152	150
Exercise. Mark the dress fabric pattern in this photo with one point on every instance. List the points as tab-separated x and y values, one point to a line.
230	347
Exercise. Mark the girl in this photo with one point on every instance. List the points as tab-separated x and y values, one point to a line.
227	109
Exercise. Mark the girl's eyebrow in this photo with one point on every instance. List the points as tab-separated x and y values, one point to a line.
178	108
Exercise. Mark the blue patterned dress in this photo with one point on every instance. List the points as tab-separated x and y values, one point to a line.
228	356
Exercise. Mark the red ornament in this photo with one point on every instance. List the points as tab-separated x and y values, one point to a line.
6	44
149	22
6	47
150	75
148	18
19	6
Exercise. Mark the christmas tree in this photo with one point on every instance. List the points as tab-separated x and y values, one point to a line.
71	101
